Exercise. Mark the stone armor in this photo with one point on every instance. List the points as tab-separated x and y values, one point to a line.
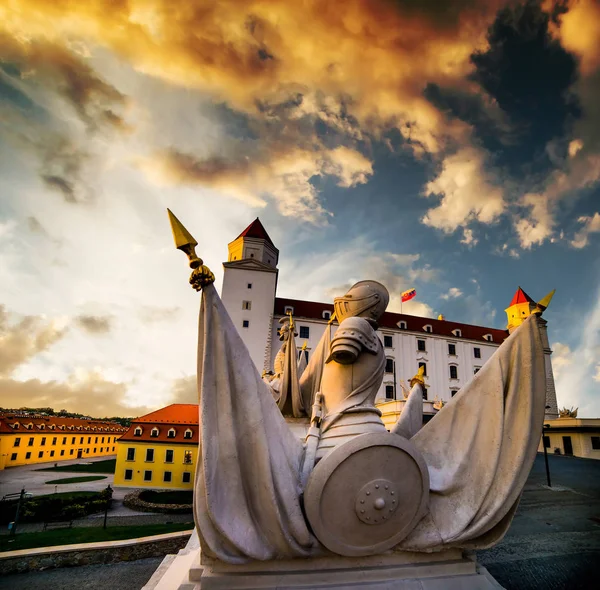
351	378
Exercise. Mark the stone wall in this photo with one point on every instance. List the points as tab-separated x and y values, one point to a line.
91	553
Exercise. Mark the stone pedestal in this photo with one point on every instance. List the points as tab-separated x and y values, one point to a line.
446	570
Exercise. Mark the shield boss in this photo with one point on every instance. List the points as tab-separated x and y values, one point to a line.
367	494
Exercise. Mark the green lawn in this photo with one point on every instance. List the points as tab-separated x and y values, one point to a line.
174	497
87	535
76	479
69	495
106	466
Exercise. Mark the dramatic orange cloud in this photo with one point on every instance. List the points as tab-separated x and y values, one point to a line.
375	56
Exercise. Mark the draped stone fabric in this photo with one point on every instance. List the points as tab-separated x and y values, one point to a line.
411	418
248	477
480	447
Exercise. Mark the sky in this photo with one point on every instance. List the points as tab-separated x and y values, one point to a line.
451	147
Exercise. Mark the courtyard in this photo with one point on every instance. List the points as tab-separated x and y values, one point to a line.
553	543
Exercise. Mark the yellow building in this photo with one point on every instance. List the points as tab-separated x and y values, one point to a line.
27	438
577	437
160	449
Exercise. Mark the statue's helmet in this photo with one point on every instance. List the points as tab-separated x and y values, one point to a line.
366	299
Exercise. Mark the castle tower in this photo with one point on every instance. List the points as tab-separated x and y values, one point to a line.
520	308
249	284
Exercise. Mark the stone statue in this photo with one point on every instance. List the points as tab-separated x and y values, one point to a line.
568	412
353	489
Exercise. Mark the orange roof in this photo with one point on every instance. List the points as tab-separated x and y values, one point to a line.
178	417
256	230
173	414
521	297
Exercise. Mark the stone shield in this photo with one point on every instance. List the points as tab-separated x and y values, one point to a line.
367	494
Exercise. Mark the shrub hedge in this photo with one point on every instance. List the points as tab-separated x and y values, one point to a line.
135	502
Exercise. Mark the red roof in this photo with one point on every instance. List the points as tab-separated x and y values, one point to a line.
256	230
178	417
173	414
521	297
16	423
314	310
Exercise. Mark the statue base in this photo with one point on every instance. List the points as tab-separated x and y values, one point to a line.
445	570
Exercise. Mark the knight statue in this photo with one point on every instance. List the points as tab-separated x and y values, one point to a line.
351	488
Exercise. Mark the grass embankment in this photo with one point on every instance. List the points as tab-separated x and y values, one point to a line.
76	479
106	466
88	535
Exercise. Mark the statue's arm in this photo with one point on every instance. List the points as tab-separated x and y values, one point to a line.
352	337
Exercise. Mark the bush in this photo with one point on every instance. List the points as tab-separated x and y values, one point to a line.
55	507
135	502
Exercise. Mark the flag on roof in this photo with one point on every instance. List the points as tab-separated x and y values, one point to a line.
408	295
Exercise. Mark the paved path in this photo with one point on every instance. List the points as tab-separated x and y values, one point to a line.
553	543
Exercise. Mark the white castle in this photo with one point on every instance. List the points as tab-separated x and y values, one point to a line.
450	352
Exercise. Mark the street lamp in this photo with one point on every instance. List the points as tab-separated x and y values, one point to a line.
546	428
109	492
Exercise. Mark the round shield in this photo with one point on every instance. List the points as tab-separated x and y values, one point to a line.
367	494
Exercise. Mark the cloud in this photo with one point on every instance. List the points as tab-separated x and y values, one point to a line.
97	325
282	173
87	393
468	238
372	56
539	224
453	293
185	390
24	337
591	225
596	376
55	66
562	359
152	313
468	192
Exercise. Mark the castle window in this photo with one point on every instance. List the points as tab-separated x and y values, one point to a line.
424	393
488	337
457	333
43	441
13	457
453	392
421	345
17	442
304	332
326	315
40	454
171	433
424	365
389	392
595	443
187	434
169	456
476	370
187	457
128	474
428	328
251	255
131	454
27	455
136	432
388	341
154	432
402	325
149	455
288	309
245	323
452	349
453	372
247	305
186	477
147	475
30	443
389	365
249	285
477	352
167	476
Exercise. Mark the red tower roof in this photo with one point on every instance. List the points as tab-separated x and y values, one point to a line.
256	230
521	297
